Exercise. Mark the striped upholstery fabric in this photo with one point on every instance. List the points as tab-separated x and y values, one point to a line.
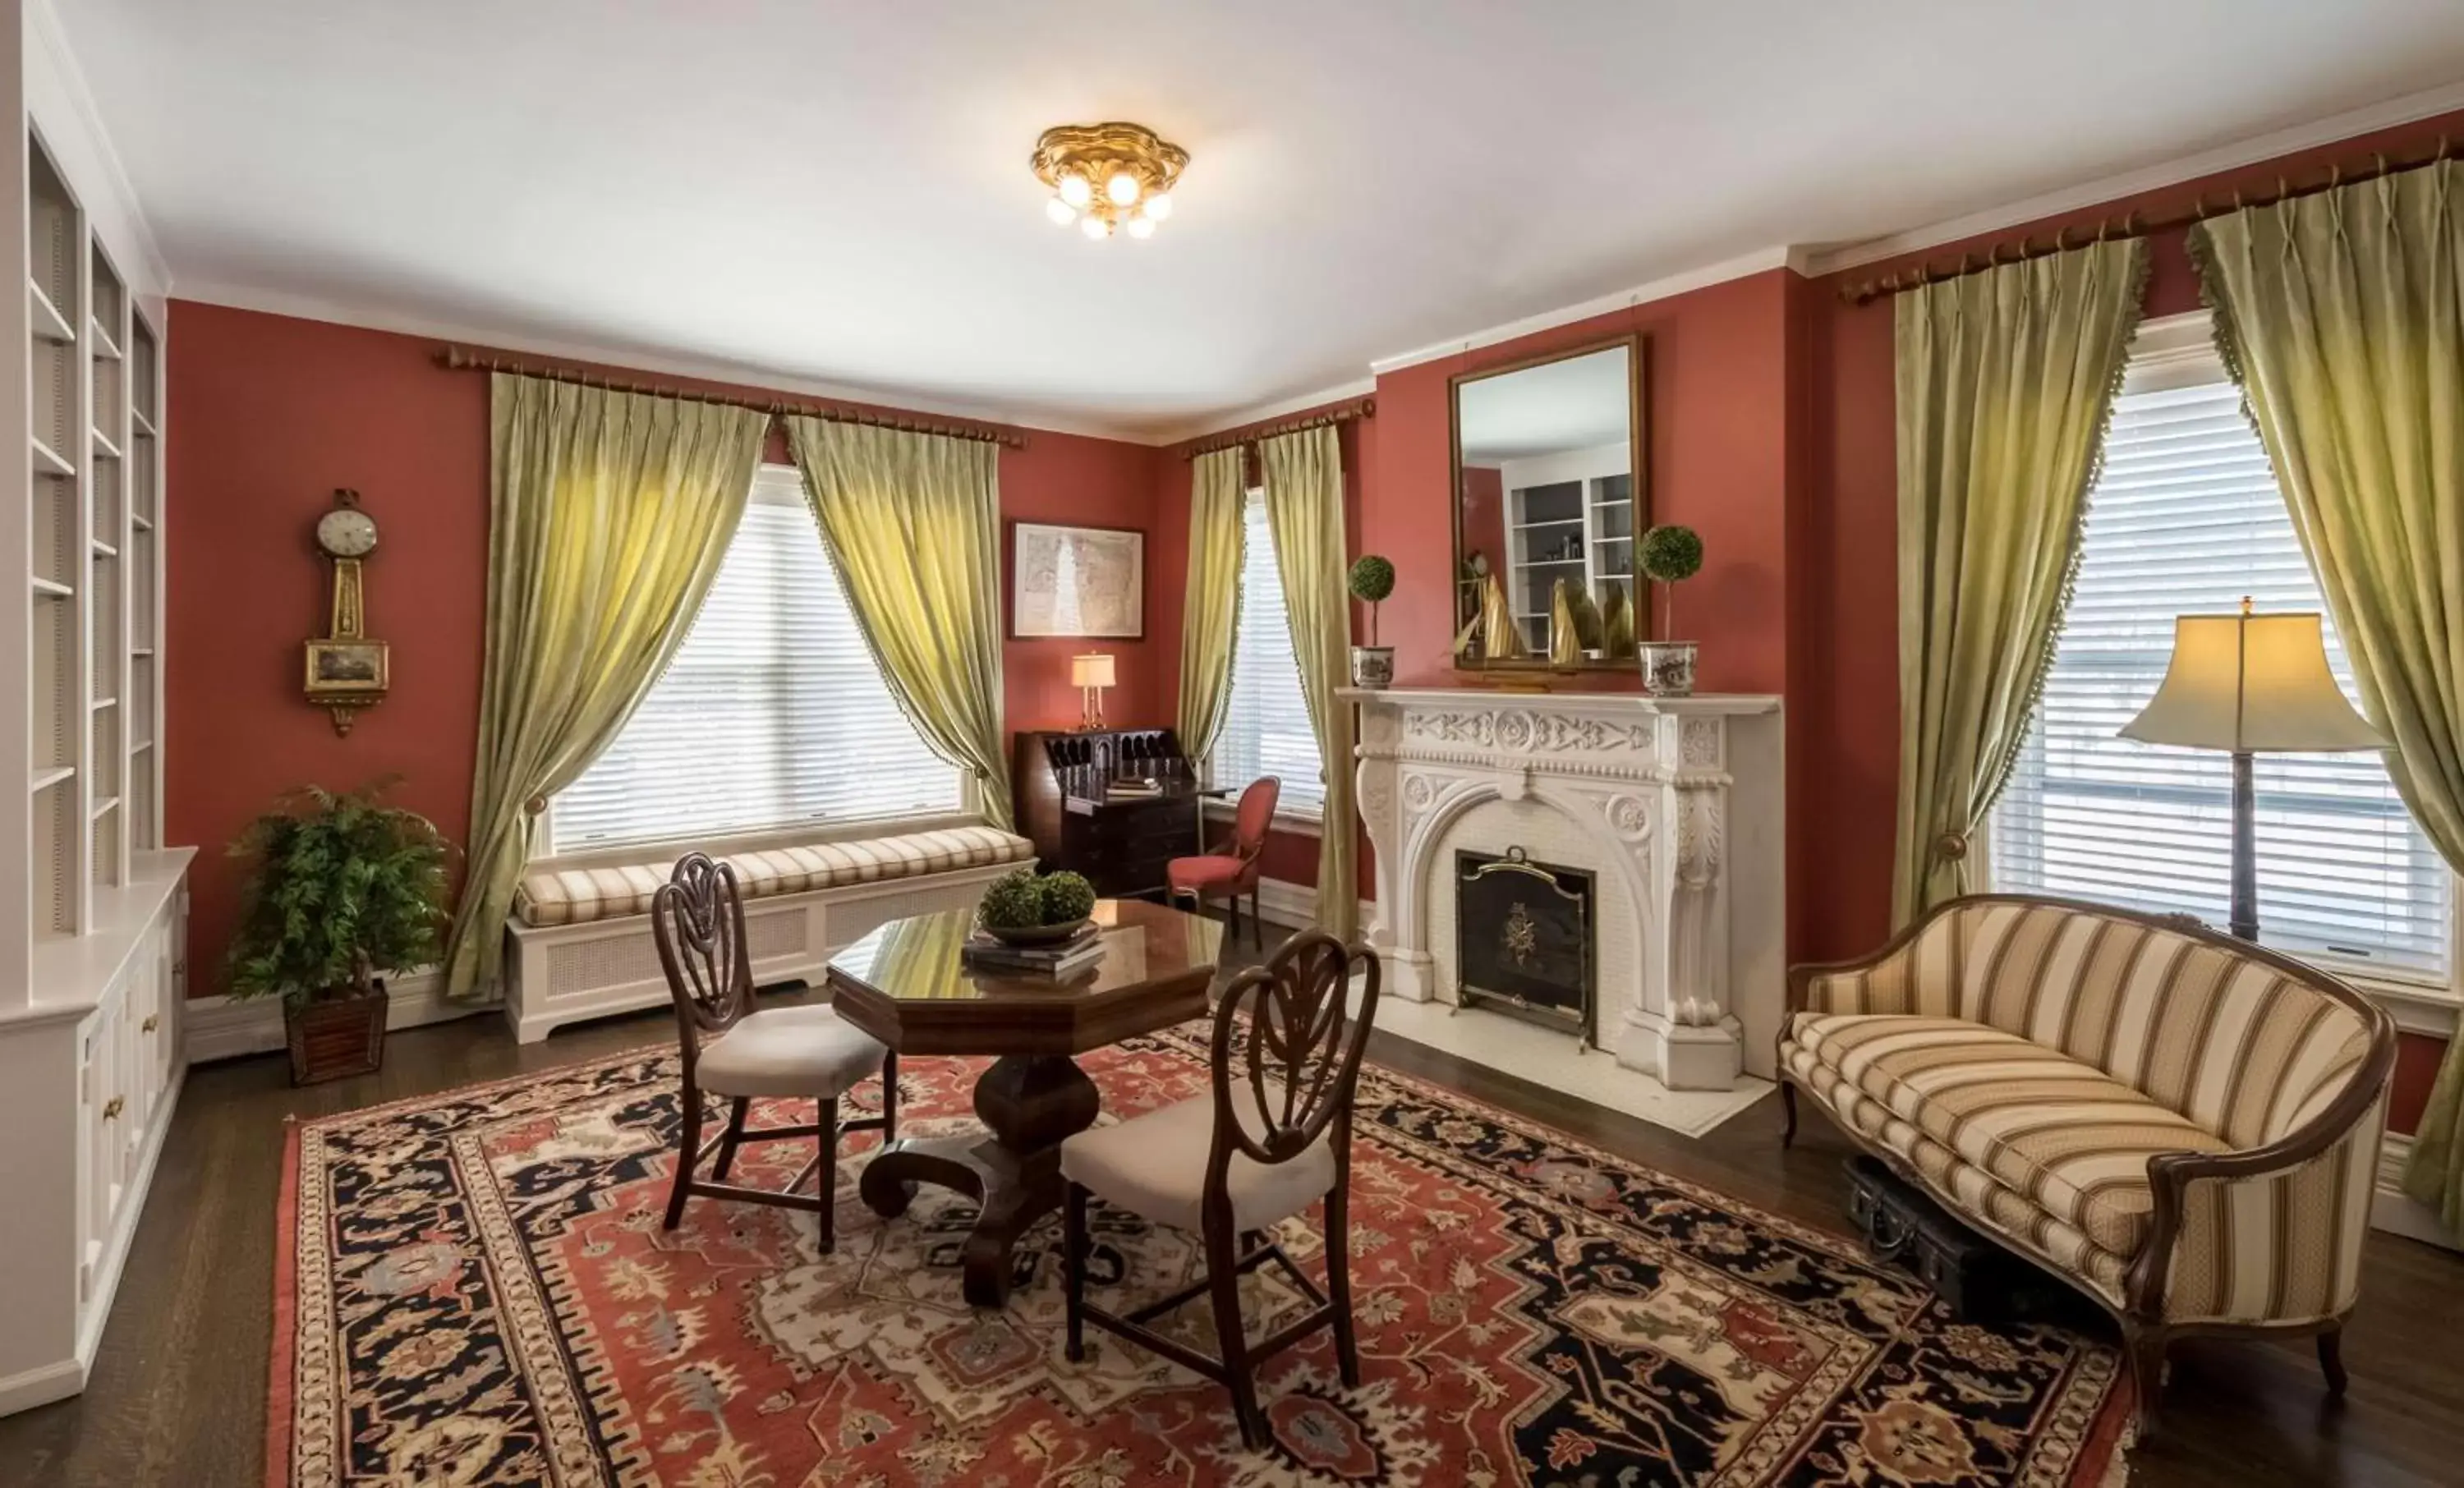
2234	1045
2053	1131
1974	1190
577	896
2026	1060
2281	1246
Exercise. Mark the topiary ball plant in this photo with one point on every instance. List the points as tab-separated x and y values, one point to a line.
1014	901
1067	898
1371	580
1668	556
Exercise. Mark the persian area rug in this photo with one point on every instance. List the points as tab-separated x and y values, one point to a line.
473	1289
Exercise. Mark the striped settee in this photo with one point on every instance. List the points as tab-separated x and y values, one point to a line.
2182	1126
582	937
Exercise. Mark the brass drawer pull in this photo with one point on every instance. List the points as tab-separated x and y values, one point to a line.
153	1020
113	1106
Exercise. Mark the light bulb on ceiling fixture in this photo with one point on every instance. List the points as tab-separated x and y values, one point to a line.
1122	188
1159	205
1060	212
1095	228
1143	227
1075	190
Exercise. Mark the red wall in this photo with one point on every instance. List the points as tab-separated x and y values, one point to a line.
270	414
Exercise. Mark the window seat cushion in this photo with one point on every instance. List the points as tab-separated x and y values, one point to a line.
577	896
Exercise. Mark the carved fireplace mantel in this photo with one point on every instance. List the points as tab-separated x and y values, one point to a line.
1678	801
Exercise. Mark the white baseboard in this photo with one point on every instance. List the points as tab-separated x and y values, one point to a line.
223	1028
1294	905
2399	1213
40	1386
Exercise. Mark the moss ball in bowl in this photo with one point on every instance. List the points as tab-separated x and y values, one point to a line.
1022	910
1067	898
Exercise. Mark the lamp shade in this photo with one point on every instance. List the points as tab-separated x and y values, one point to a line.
1091	670
2257	683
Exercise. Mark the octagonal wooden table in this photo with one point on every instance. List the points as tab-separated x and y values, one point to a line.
907	985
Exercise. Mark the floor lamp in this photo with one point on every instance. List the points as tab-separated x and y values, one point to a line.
2246	684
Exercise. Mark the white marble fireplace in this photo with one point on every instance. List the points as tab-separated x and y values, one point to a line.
1674	807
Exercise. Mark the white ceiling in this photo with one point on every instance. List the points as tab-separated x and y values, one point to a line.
1580	402
837	192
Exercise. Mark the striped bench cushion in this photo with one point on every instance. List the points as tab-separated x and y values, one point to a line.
2060	1134
576	896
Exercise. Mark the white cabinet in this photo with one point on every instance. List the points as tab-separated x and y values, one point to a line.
1568	516
92	907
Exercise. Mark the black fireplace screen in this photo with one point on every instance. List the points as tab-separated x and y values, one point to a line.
1522	938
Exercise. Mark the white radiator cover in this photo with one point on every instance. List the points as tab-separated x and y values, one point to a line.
1676	805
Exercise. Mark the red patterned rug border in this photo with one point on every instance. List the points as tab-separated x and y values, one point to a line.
278	1383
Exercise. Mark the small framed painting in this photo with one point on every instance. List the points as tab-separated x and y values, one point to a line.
1077	581
347	668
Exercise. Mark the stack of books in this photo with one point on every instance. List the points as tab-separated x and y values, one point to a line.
1059	960
1147	789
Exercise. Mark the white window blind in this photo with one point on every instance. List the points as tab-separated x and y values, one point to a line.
772	715
2187	519
1267	723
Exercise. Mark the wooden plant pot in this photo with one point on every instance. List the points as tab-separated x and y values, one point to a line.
338	1035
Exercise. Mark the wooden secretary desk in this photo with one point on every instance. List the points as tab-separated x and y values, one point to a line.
1115	804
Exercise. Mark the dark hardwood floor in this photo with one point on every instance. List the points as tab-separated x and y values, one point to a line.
178	1394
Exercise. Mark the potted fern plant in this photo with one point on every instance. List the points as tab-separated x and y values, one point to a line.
1371	580
1669	556
342	892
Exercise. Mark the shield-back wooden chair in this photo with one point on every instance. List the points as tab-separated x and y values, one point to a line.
739	1054
1272	1136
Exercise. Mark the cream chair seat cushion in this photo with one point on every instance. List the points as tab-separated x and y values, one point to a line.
806	1051
1154	1167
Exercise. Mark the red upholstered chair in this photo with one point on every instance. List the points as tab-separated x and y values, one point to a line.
1231	869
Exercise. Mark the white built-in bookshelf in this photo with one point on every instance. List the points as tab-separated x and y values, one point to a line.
93	910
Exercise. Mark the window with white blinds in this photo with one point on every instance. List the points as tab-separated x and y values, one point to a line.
1266	724
772	714
2187	519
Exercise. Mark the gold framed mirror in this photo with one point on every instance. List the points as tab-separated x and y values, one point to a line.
1551	492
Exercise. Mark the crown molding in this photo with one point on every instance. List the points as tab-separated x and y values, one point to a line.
634	360
63	107
1761	260
1264	412
2388	114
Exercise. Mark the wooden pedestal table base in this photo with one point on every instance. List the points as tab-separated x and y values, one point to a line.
907	985
1031	1103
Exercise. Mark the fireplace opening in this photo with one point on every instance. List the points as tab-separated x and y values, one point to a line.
1523	939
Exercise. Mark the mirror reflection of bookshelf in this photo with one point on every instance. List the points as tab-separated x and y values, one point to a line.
1579	530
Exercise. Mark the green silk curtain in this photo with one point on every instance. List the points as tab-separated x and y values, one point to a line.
2341	316
609	514
912	522
2005	379
1210	620
1305	514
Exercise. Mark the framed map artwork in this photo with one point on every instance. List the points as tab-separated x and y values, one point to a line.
1077	581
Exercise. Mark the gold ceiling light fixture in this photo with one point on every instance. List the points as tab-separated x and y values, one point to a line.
1108	177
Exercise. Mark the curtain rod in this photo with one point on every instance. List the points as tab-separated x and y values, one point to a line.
2131	225
454	358
1340	413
